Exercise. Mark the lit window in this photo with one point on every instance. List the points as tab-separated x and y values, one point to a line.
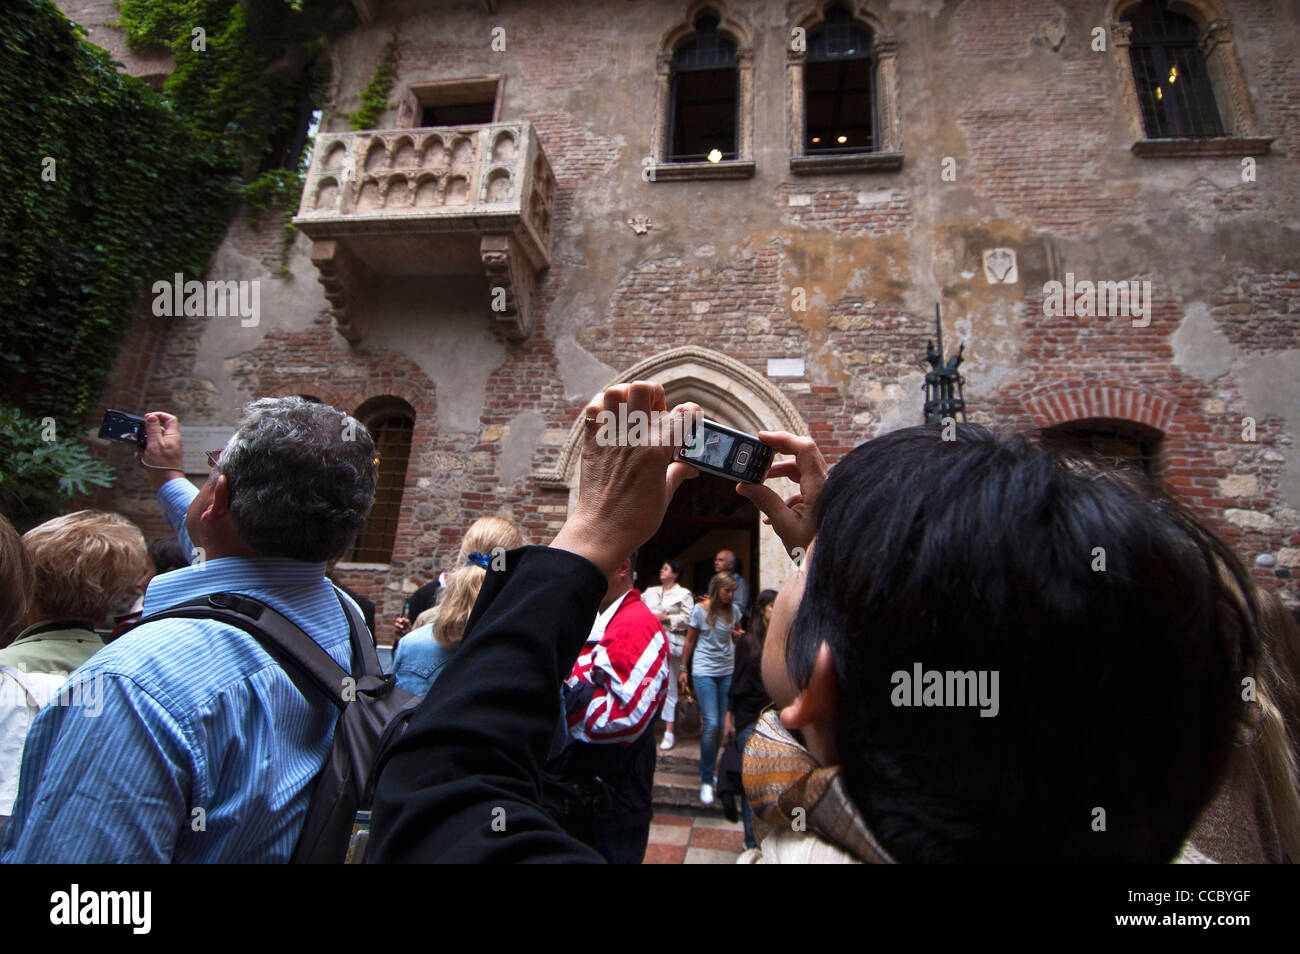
1173	84
705	93
838	93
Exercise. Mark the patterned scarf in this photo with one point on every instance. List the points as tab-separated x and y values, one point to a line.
788	788
782	778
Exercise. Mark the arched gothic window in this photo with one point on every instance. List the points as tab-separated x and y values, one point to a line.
391	423
1169	71
705	96
839	93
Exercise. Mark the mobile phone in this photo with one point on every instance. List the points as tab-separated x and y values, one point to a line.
727	452
120	426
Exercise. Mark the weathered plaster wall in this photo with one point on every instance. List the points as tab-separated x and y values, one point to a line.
1040	140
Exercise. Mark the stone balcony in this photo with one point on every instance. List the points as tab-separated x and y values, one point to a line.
446	200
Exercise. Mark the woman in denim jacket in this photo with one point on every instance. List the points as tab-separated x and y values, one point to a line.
437	634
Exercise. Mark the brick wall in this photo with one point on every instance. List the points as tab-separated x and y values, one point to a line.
1043	162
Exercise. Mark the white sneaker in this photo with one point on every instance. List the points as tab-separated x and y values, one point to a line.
706	794
668	742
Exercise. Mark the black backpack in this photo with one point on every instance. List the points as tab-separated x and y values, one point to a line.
373	713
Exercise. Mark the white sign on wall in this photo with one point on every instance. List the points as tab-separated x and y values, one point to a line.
785	367
197	442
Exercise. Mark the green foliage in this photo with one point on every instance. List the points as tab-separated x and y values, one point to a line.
110	186
105	191
257	61
374	100
37	475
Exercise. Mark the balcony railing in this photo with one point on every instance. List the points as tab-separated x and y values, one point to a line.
419	201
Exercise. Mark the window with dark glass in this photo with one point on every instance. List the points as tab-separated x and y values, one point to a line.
838	96
392	435
1112	443
1173	84
705	95
458	114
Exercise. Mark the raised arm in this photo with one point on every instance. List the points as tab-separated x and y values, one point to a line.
463	784
162	460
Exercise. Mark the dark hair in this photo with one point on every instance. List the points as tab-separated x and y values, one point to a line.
423	598
165	553
675	566
751	644
1119	688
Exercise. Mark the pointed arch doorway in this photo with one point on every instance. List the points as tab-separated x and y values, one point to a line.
706	514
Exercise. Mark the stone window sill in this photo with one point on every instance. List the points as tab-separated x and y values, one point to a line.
363	567
682	171
1188	148
860	162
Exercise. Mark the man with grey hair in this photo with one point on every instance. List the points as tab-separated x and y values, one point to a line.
204	749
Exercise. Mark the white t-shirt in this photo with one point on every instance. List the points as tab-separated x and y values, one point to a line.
22	695
676	604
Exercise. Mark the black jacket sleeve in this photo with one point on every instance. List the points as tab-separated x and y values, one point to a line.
463	783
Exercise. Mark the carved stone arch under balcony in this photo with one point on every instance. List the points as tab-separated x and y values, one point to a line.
1241	131
730	393
888	155
437	201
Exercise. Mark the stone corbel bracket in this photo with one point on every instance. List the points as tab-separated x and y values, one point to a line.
345	278
510	284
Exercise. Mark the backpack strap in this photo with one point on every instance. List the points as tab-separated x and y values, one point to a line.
364	656
283	639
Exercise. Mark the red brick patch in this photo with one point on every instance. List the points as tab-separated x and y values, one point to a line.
670	820
718	838
664	855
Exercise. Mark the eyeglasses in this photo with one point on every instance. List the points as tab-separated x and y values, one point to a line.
214	457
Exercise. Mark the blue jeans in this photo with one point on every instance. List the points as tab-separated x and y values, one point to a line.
742	739
711	691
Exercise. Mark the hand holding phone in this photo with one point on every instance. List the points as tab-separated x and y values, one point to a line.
120	426
726	452
792	518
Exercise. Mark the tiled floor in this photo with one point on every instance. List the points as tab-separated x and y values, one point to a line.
684	839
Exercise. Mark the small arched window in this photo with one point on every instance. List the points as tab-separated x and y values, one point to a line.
705	96
391	423
1169	71
1113	443
839	91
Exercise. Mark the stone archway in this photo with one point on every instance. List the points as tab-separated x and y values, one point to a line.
731	393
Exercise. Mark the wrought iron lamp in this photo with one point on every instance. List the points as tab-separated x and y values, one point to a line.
943	385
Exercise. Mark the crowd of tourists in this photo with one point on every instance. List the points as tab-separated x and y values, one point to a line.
947	675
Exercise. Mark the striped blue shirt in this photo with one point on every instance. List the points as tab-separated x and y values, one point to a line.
183	740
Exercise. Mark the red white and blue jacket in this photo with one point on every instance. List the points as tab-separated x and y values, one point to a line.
621	677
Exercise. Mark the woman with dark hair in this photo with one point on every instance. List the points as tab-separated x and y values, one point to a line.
954	679
714	628
747	698
672	604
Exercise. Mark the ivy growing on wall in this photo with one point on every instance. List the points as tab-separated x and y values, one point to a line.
105	191
374	99
242	72
109	186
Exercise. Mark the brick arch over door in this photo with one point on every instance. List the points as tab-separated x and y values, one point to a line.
731	393
1060	406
